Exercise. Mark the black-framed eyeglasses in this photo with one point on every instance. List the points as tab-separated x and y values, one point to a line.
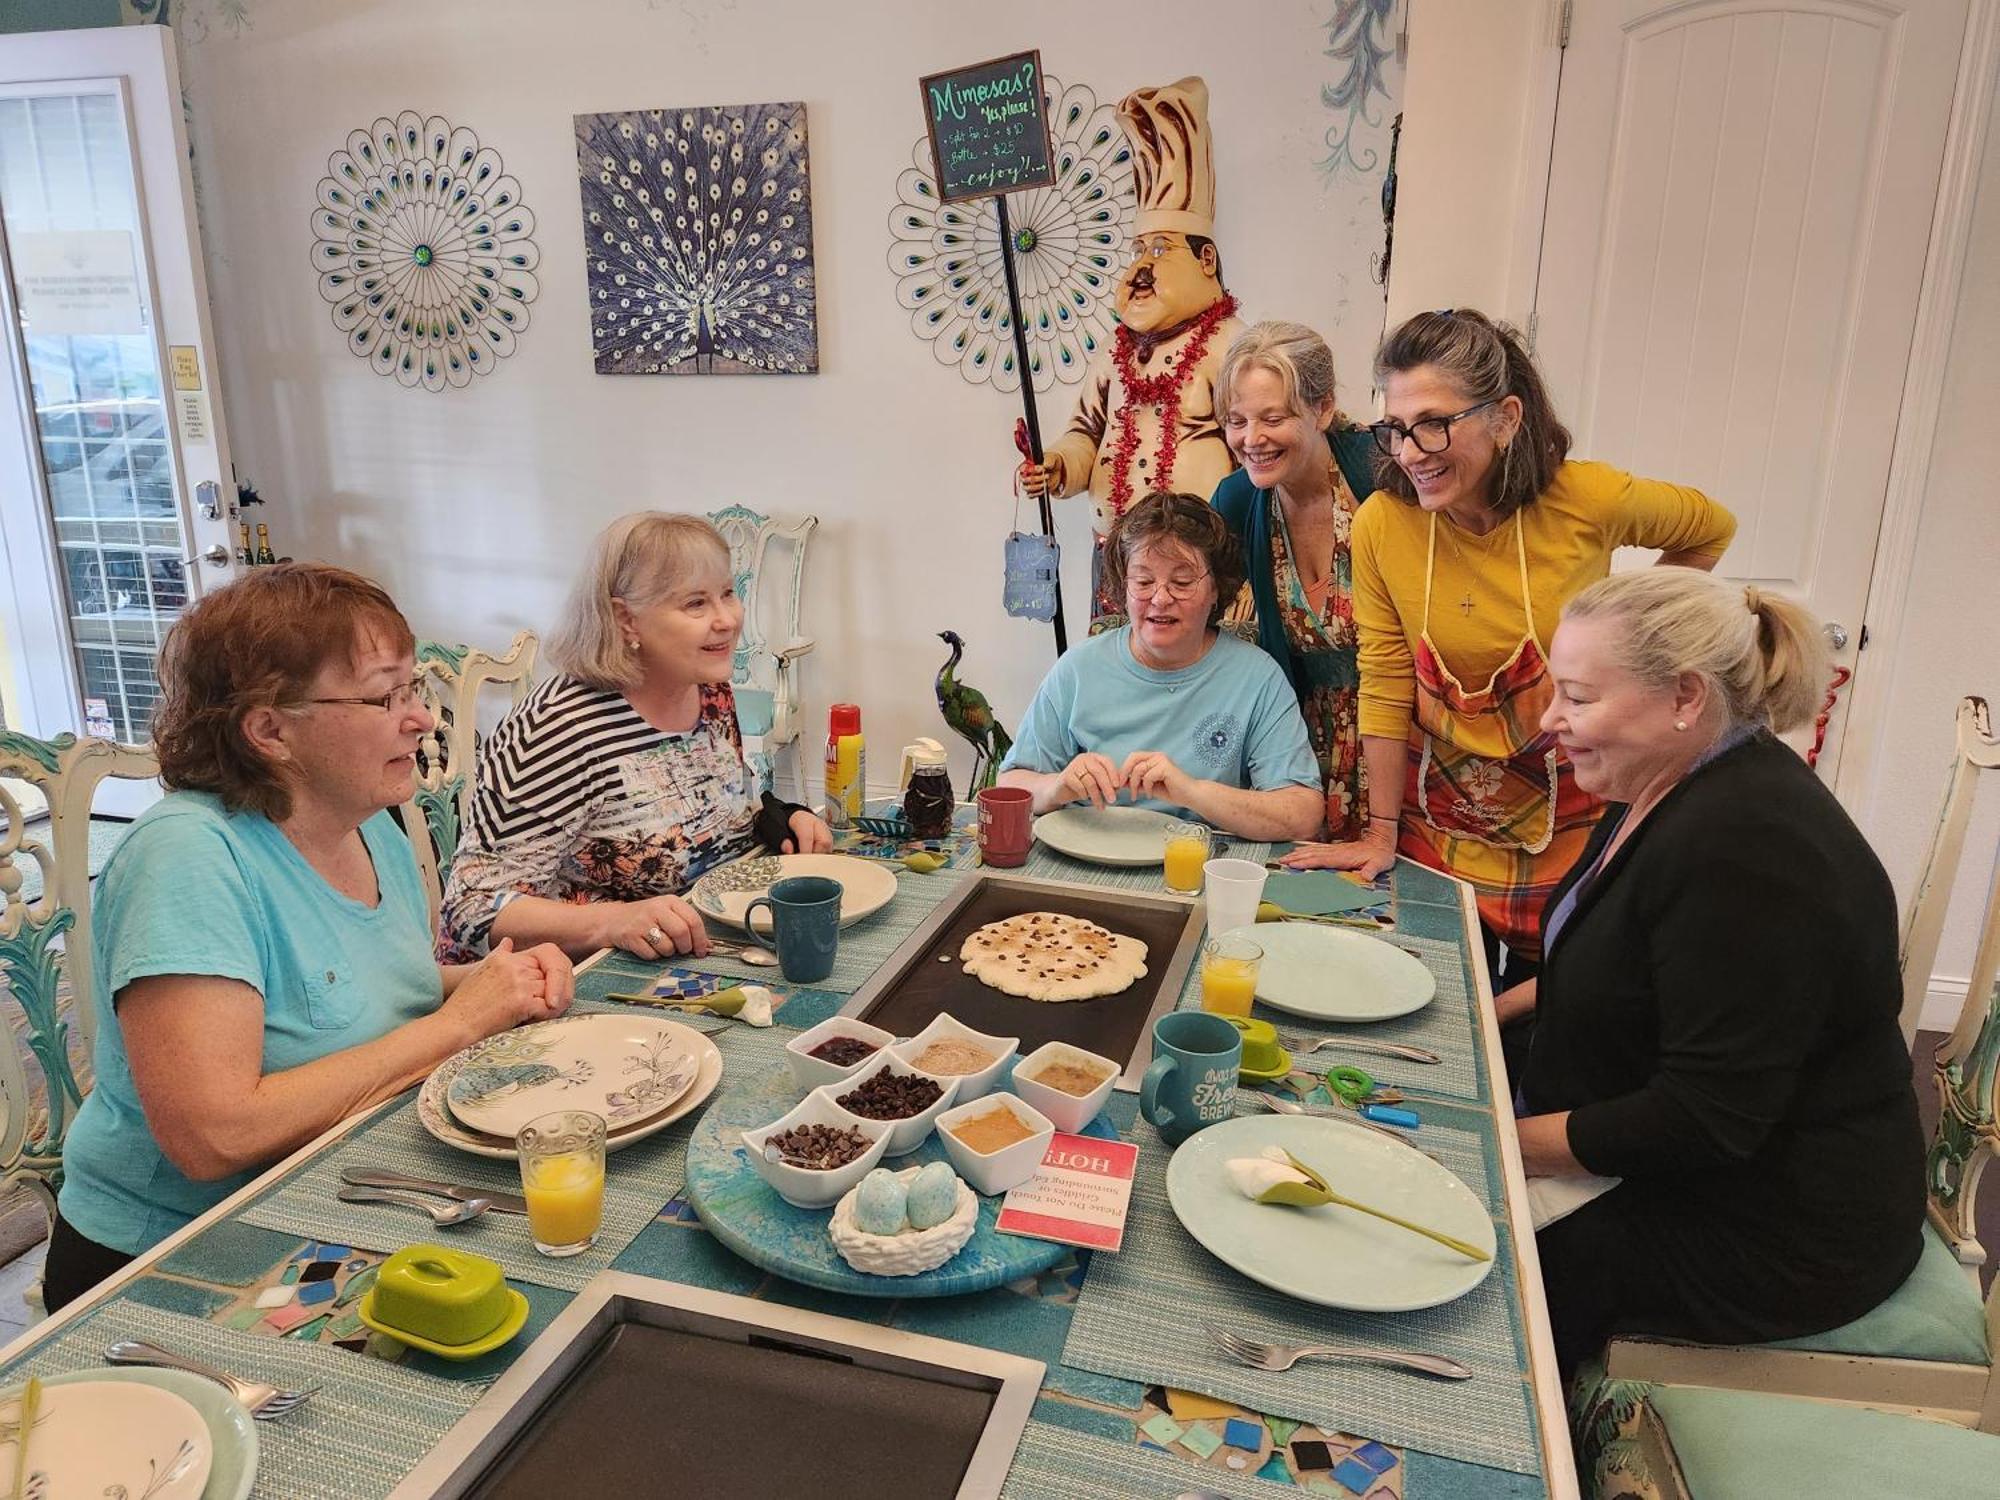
399	699
1433	434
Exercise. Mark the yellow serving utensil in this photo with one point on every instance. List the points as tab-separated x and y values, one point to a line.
1315	1191
31	1403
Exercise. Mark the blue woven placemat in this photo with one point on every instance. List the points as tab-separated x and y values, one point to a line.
369	1423
639	1181
1127	1324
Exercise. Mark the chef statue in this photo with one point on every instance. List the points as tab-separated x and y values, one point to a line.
1146	418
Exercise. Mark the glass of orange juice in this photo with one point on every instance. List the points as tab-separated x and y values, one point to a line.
1186	853
562	1177
1229	975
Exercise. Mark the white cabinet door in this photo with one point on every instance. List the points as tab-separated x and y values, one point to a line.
1739	206
113	469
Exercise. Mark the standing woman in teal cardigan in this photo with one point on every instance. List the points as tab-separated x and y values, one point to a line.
1291	506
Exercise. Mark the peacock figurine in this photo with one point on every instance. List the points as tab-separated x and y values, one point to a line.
970	716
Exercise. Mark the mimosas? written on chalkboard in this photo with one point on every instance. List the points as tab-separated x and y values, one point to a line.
989	127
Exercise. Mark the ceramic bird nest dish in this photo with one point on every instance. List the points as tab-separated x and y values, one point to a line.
912	1252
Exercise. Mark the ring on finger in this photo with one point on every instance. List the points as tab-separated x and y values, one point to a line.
654	936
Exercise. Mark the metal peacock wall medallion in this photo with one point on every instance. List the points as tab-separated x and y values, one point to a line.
424	251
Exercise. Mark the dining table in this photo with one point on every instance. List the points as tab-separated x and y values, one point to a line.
1137	1400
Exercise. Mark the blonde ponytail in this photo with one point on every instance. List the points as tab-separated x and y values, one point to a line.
1762	654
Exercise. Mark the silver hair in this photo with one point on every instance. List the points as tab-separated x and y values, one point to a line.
638	559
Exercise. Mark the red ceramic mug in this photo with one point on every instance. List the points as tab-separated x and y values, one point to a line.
1004	817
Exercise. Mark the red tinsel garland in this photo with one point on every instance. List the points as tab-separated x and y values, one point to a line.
1162	392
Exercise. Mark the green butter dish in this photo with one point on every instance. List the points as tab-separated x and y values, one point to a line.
447	1302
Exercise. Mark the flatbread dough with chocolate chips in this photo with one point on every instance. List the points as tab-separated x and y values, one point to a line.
1044	955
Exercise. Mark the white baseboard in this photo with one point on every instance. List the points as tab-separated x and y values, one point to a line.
1942	1002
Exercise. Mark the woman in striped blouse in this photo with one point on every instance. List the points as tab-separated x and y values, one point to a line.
615	784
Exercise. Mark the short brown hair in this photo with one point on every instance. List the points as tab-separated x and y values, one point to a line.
256	643
1487	361
1187	520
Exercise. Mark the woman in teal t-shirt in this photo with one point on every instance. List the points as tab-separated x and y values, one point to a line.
262	943
1167	710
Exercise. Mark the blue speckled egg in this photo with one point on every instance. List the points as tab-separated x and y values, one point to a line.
879	1203
933	1195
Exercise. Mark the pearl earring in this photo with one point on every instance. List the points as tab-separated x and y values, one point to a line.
631	645
1681	724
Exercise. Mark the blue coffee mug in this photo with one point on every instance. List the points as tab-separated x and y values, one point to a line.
805	924
1191	1081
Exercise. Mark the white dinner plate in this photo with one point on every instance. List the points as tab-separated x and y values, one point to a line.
434	1109
1334	1256
109	1437
626	1068
1129	836
1336	973
866	885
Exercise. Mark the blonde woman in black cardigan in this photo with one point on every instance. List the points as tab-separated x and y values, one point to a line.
1716	1014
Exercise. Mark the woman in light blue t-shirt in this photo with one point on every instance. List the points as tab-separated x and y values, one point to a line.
1168	710
262	943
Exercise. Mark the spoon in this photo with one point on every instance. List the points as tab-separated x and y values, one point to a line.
442	1214
745	953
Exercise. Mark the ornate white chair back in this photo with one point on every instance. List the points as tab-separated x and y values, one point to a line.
1967	1136
765	673
447	757
46	964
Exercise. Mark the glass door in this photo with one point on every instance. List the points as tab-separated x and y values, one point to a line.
111	481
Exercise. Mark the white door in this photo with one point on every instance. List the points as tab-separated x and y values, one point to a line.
116	501
1739	206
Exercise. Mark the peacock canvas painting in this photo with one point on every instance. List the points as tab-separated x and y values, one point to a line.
698	240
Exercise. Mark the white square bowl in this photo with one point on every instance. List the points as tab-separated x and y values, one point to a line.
997	1171
802	1187
1071	1112
946	1027
907	1134
811	1072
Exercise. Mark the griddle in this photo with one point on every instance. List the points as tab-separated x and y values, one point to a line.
913	986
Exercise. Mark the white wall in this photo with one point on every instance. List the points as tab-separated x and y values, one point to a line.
1468	176
1474	155
473	506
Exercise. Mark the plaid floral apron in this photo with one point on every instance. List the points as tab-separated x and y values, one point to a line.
1491	798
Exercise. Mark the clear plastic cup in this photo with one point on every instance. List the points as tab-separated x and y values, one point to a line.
1235	887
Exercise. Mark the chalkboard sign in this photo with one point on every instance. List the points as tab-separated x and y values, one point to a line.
989	127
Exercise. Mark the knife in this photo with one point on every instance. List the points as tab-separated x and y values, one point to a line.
503	1203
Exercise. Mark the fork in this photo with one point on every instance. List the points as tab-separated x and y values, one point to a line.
262	1401
1279	1106
1280	1357
1300	1045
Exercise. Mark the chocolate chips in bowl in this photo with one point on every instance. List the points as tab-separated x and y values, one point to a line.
819	1148
843	1051
890	1096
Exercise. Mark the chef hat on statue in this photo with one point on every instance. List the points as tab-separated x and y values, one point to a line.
1168	128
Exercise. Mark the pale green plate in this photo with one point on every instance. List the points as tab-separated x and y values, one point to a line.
1128	836
1334	1256
1335	974
232	1435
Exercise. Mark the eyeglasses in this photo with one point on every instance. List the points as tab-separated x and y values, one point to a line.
1152	249
399	699
1433	434
1143	587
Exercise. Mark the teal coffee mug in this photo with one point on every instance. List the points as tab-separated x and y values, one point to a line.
805	921
1192	1079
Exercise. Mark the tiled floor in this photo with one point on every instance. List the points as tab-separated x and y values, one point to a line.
15	1279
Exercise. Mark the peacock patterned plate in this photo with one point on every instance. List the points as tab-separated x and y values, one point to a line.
866	885
625	1068
434	1110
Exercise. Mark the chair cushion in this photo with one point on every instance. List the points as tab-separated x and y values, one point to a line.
1737	1445
756	709
1935	1314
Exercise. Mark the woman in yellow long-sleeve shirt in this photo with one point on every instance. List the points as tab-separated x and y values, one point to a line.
1456	593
